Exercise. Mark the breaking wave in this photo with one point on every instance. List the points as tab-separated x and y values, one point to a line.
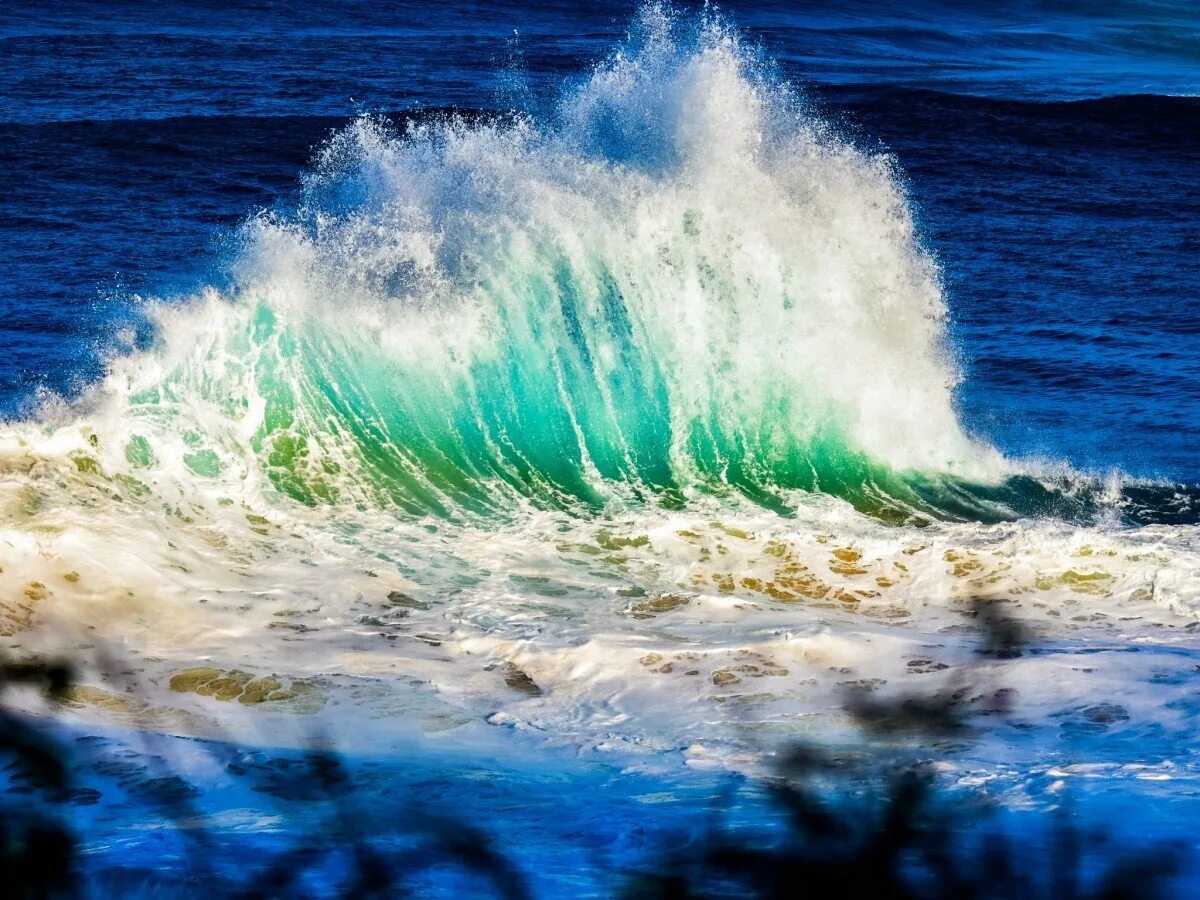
681	281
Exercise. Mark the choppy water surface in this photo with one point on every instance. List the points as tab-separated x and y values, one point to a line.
620	420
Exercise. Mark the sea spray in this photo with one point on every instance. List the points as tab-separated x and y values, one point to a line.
679	281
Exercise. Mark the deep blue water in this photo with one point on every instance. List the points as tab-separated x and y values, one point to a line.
1053	153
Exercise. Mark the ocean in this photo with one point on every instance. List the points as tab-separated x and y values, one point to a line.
560	409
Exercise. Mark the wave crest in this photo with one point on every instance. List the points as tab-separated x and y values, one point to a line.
681	280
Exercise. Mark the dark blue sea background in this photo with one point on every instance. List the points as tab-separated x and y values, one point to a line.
1051	149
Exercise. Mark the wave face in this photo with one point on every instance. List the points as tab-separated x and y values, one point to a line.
684	282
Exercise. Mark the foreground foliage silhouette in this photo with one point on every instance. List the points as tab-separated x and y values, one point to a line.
874	824
863	821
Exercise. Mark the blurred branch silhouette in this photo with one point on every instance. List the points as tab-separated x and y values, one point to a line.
40	855
37	851
869	821
873	824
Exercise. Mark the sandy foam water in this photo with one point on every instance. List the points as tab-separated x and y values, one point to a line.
706	637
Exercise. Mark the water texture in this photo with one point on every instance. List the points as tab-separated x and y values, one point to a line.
615	394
